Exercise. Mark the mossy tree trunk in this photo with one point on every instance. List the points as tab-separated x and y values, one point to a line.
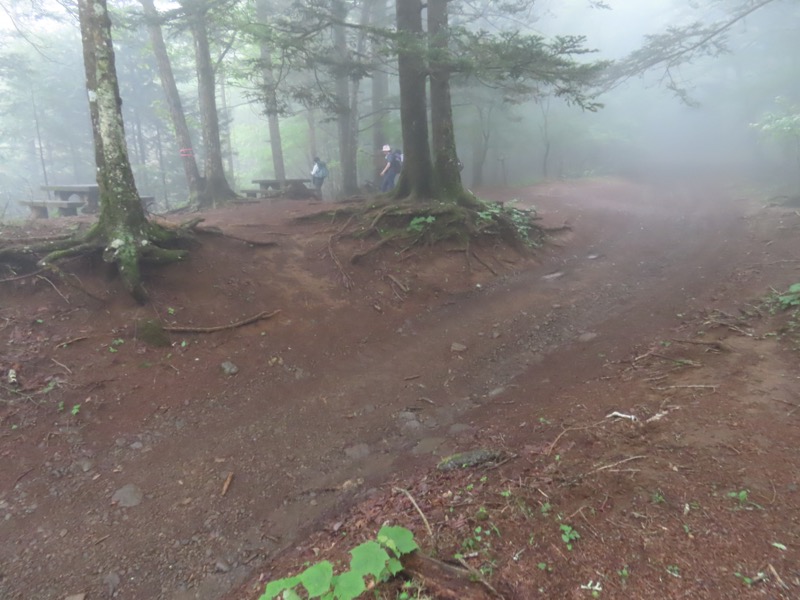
417	178
122	231
122	221
444	141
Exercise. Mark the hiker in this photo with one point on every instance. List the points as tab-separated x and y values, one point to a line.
318	174
394	163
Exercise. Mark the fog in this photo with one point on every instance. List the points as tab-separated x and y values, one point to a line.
716	115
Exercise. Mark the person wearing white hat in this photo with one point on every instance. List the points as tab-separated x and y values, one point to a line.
391	169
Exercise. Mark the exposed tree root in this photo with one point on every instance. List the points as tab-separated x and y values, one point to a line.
125	248
359	255
442	580
247	321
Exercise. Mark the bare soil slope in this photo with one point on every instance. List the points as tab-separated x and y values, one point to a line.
136	471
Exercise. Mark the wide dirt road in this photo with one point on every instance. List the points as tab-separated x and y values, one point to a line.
333	395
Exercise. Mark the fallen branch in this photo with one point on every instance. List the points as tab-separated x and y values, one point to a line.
18	277
253	319
399	283
691	387
716	345
478	576
267	244
558	437
54	287
227	484
63	366
442	580
73	340
419	510
616	464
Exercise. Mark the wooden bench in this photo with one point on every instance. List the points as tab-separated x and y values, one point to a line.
253	193
40	208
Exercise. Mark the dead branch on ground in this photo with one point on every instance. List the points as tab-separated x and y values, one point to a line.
253	319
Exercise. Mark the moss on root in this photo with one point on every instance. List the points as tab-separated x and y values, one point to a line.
462	219
127	248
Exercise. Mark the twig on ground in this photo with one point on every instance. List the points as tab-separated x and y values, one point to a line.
478	576
558	437
777	577
18	479
616	464
786	402
419	510
54	287
399	283
716	345
679	387
63	366
253	319
72	341
266	244
18	277
227	484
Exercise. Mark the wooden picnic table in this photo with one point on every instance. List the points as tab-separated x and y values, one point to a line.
295	189
40	209
88	193
275	184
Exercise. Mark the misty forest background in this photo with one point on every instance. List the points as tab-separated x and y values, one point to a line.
284	74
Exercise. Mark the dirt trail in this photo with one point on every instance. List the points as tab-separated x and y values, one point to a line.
331	400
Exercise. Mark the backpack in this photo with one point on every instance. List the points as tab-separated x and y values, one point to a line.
396	162
322	171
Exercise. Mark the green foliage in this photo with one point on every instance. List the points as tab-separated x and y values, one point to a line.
371	559
790	298
783	124
674	570
420	224
569	535
525	65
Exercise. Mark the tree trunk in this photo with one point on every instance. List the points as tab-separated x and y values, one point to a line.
217	187
446	160
545	129
344	115
380	91
311	118
177	116
271	98
416	179
122	224
481	146
226	128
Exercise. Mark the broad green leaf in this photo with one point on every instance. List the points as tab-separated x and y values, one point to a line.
394	566
291	595
401	538
317	578
369	558
276	587
349	585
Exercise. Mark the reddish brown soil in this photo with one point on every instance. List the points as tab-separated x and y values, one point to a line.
347	394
